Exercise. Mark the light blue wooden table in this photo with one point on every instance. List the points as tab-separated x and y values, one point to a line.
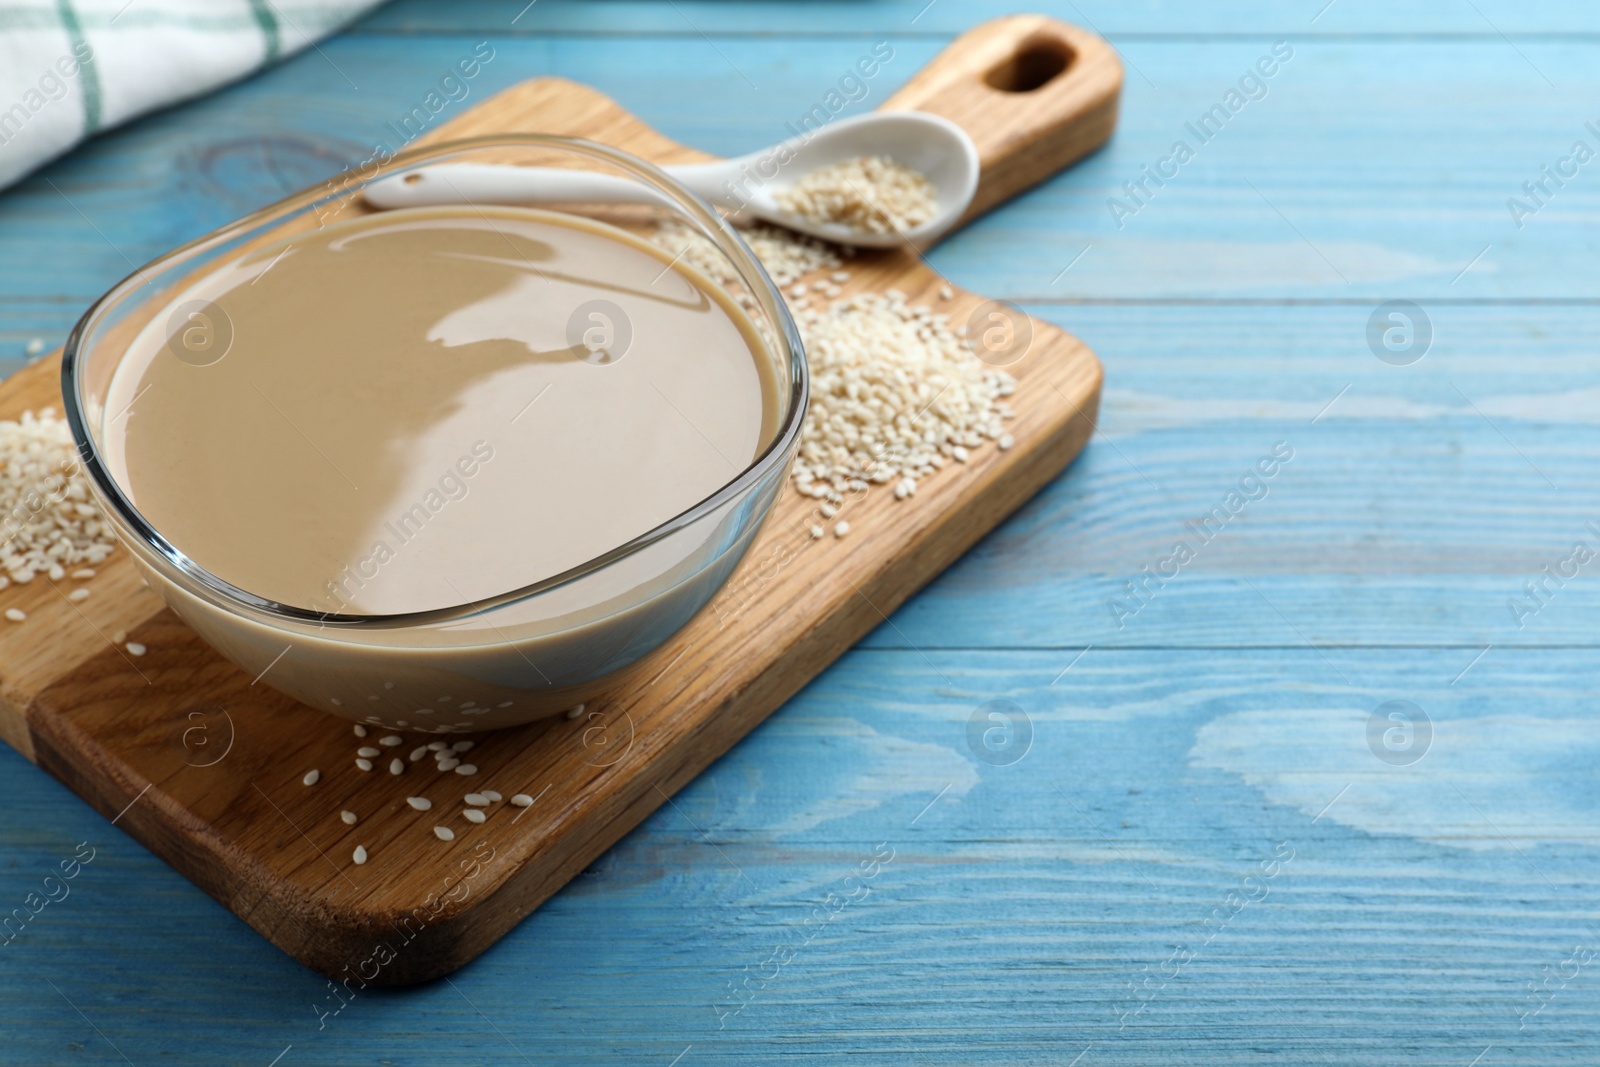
1208	855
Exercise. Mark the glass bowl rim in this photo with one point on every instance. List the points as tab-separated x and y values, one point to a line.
227	595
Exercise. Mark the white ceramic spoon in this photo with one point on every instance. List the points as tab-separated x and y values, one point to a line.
935	146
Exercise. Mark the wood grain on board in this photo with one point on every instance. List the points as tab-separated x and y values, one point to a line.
204	764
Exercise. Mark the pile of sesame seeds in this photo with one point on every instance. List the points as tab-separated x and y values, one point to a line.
49	524
895	395
786	256
872	194
447	758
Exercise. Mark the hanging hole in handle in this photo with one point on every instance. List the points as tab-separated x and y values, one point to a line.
1037	61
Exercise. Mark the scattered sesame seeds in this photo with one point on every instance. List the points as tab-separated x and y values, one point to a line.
477	800
444	833
397	766
16	614
359	856
349	817
490	795
474	815
52	521
135	648
522	800
368	752
364	764
312	777
467	768
871	194
420	803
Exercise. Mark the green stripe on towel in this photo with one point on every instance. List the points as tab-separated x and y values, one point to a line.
89	77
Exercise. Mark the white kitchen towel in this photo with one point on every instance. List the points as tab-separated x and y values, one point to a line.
70	68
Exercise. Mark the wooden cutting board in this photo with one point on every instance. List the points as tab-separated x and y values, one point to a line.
180	749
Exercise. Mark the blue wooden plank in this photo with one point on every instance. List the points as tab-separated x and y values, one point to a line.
1116	18
1413	512
1021	902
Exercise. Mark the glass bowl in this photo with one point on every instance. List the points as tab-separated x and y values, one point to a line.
501	660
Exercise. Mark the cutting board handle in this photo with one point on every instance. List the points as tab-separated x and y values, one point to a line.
1034	93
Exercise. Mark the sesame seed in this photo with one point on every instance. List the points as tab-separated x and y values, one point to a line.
474	815
449	764
444	833
364	764
349	817
312	777
573	713
55	522
894	391
490	795
873	194
369	752
83	574
438	746
461	746
16	614
786	256
946	293
1005	442
418	753
78	595
477	800
840	529
816	532
522	800
359	856
466	768
420	803
135	648
397	766
391	740
361	731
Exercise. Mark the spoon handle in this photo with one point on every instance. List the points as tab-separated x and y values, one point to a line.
1034	93
491	183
